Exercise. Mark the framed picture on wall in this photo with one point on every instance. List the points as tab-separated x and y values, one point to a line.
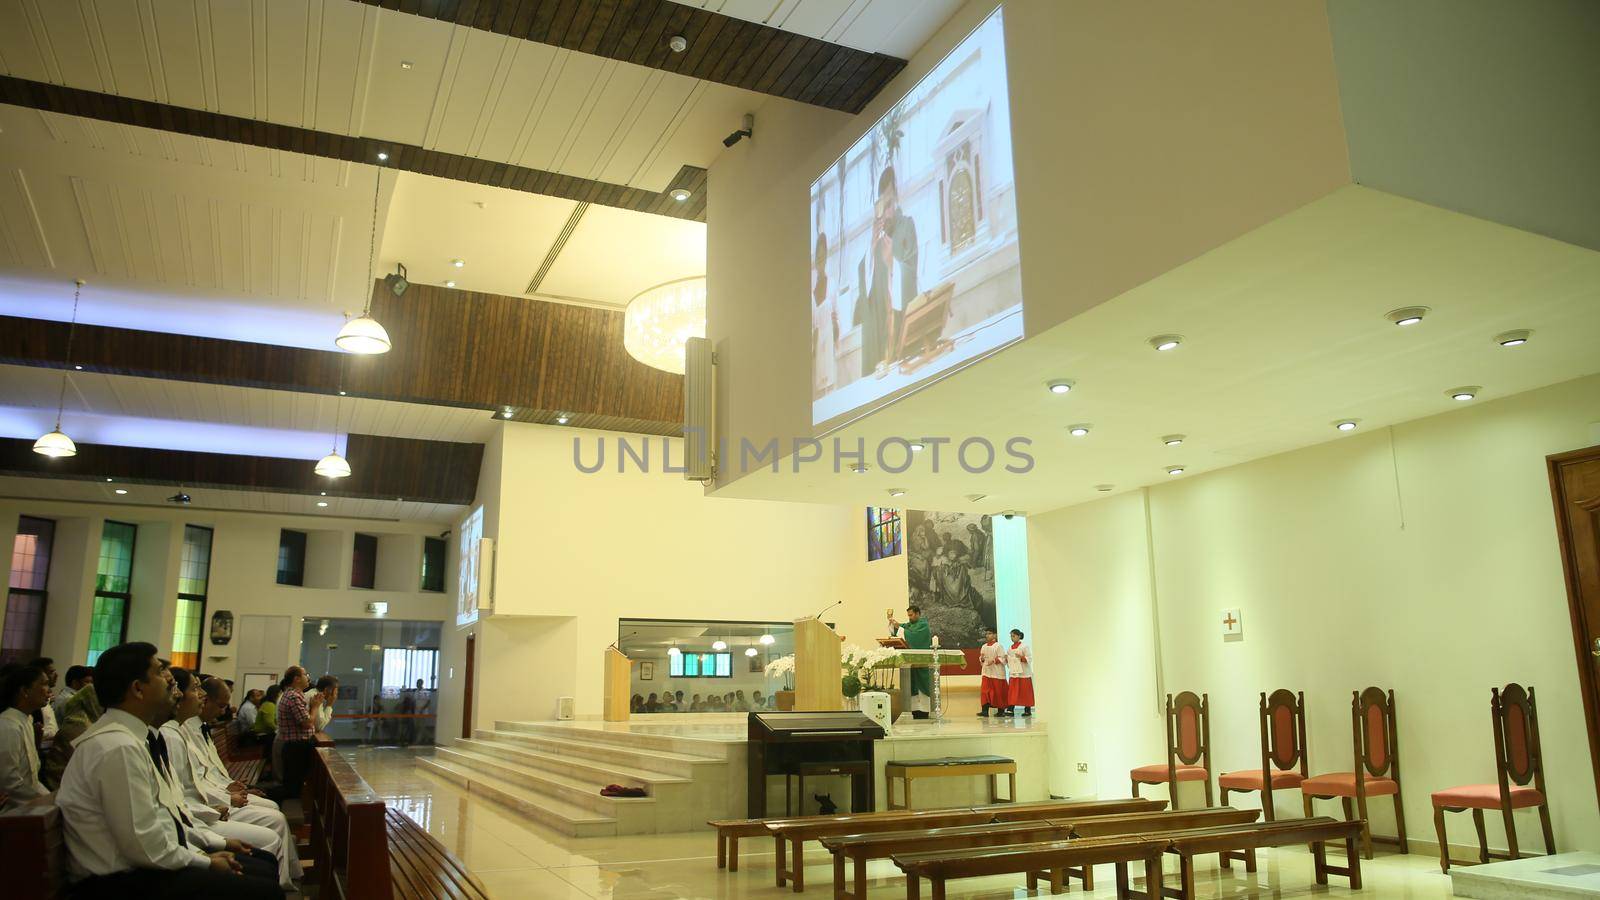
647	671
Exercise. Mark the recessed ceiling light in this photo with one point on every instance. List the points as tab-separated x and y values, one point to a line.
1172	440
1513	338
678	43
680	195
79	368
450	284
563	419
405	63
382	156
323	494
506	414
1346	424
897	492
121	491
1060	386
322	503
458	263
1174	470
1407	315
1102	488
918	446
108	481
1166	341
1078	430
1464	393
341	393
858	468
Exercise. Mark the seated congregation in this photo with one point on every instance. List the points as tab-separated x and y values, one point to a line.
1057	840
144	781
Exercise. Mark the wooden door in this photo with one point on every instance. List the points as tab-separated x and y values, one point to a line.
1575	484
466	691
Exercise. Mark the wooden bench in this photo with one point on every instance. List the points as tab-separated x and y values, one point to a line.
814	828
362	850
908	771
857	850
33	852
244	763
1044	860
1247	838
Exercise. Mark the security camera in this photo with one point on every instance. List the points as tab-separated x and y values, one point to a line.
444	534
748	131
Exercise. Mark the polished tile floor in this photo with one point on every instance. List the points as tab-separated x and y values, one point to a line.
521	860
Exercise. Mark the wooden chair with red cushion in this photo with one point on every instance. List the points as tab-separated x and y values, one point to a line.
1377	768
1188	747
1283	747
1517	756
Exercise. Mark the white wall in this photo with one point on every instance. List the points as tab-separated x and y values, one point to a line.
244	560
1429	566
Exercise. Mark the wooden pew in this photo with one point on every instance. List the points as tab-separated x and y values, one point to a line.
1189	844
33	852
856	850
244	763
363	851
1045	859
907	771
812	828
729	831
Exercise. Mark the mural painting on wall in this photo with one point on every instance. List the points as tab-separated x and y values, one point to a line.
883	533
950	561
221	627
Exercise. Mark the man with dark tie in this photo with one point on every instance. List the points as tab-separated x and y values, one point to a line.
123	840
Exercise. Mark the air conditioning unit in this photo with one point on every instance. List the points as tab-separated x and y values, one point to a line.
564	707
699	387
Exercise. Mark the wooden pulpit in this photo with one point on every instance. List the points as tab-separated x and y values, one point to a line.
816	667
618	685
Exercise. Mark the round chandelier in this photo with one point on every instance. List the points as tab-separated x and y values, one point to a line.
660	321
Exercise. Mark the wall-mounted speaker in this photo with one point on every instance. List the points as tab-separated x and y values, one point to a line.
565	707
699	410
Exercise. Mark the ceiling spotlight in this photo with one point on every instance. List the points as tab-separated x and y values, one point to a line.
1103	488
180	498
79	368
1172	440
1464	393
563	419
678	43
1346	424
506	414
897	492
382	156
858	468
108	481
1513	338
766	640
679	194
719	645
1407	315
750	651
1060	386
1078	430
1166	341
341	393
449	284
458	263
1174	470
121	491
323	494
405	63
918	446
322	503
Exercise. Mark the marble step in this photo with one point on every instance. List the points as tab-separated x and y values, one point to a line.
563	817
574	746
574	765
634	740
634	815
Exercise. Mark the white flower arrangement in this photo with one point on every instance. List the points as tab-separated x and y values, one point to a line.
780	667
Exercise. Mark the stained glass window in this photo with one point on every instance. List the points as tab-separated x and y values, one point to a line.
108	625
292	557
194	574
433	564
25	602
883	533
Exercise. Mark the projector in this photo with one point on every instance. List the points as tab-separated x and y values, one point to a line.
180	497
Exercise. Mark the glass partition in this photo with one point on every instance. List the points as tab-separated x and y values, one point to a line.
704	666
379	664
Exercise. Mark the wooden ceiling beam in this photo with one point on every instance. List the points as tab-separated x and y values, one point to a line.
721	48
350	148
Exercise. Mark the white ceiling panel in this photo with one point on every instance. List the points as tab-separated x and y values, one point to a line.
614	254
203	500
896	27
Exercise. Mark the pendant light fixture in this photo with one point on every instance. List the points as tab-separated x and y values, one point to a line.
363	334
56	444
333	465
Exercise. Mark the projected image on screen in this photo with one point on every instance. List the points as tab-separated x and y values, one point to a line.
467	568
914	263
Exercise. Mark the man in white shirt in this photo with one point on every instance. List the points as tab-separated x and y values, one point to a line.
244	722
77	676
22	690
328	689
259	827
122	840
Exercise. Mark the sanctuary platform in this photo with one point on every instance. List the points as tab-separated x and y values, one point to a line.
1563	875
692	768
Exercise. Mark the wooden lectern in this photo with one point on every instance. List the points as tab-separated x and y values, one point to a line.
619	684
816	667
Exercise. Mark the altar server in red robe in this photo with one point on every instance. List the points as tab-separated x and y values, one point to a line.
1019	661
992	658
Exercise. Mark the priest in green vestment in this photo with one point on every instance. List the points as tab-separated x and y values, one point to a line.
917	636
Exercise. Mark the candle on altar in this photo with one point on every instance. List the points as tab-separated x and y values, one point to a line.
936	642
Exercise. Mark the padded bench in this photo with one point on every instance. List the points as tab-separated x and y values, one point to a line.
948	767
